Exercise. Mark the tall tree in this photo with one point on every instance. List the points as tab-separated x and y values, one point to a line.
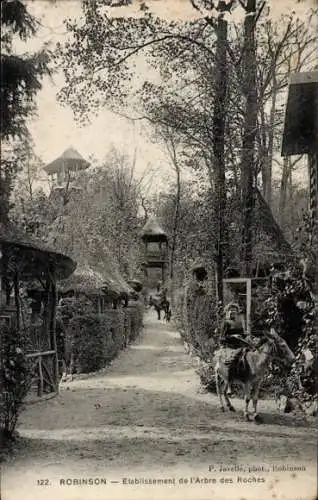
20	80
248	144
219	118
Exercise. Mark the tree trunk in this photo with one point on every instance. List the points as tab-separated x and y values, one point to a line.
271	133
218	148
263	149
5	190
175	222
247	165
283	190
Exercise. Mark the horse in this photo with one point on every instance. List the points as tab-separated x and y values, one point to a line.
248	366
161	304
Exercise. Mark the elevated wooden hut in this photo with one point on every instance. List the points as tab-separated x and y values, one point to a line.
155	242
66	167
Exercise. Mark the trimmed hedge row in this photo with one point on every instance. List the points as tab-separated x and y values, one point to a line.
96	339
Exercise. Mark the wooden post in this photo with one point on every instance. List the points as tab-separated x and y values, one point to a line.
17	300
53	324
40	381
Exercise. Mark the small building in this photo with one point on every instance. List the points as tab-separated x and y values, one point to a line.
155	255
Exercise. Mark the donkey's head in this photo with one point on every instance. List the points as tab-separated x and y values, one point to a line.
281	351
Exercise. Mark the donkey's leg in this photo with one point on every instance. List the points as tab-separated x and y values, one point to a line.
218	384
64	374
247	390
71	369
255	394
226	397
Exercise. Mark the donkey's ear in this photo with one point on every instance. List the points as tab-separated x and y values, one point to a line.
272	332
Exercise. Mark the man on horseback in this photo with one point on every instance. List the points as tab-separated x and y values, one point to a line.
160	301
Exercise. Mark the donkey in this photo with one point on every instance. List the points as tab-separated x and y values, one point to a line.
161	304
248	368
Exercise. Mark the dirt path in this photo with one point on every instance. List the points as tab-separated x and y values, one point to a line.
143	419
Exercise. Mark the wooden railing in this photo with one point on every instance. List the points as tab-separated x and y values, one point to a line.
44	371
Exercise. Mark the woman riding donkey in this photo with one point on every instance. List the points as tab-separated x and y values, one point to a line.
241	361
233	335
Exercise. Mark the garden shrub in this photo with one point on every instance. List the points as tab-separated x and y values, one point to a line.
195	318
178	315
96	339
15	379
134	319
91	342
116	317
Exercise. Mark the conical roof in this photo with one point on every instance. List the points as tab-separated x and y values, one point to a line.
152	231
36	254
69	160
265	222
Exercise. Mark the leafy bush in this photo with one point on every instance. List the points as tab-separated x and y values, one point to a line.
290	309
15	379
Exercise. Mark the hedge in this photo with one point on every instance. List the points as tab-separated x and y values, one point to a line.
96	339
15	379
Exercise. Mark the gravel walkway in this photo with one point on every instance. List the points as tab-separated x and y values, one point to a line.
143	419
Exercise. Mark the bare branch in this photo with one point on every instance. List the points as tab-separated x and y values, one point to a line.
159	40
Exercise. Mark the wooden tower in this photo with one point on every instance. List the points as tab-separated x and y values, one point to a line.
155	256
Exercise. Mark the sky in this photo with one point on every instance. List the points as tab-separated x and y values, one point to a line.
55	129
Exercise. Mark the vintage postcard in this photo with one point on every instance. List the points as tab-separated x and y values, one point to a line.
158	249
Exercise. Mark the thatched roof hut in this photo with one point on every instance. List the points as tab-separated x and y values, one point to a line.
114	281
104	280
269	245
34	254
84	280
152	231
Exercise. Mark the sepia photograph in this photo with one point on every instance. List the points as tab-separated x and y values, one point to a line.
159	250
